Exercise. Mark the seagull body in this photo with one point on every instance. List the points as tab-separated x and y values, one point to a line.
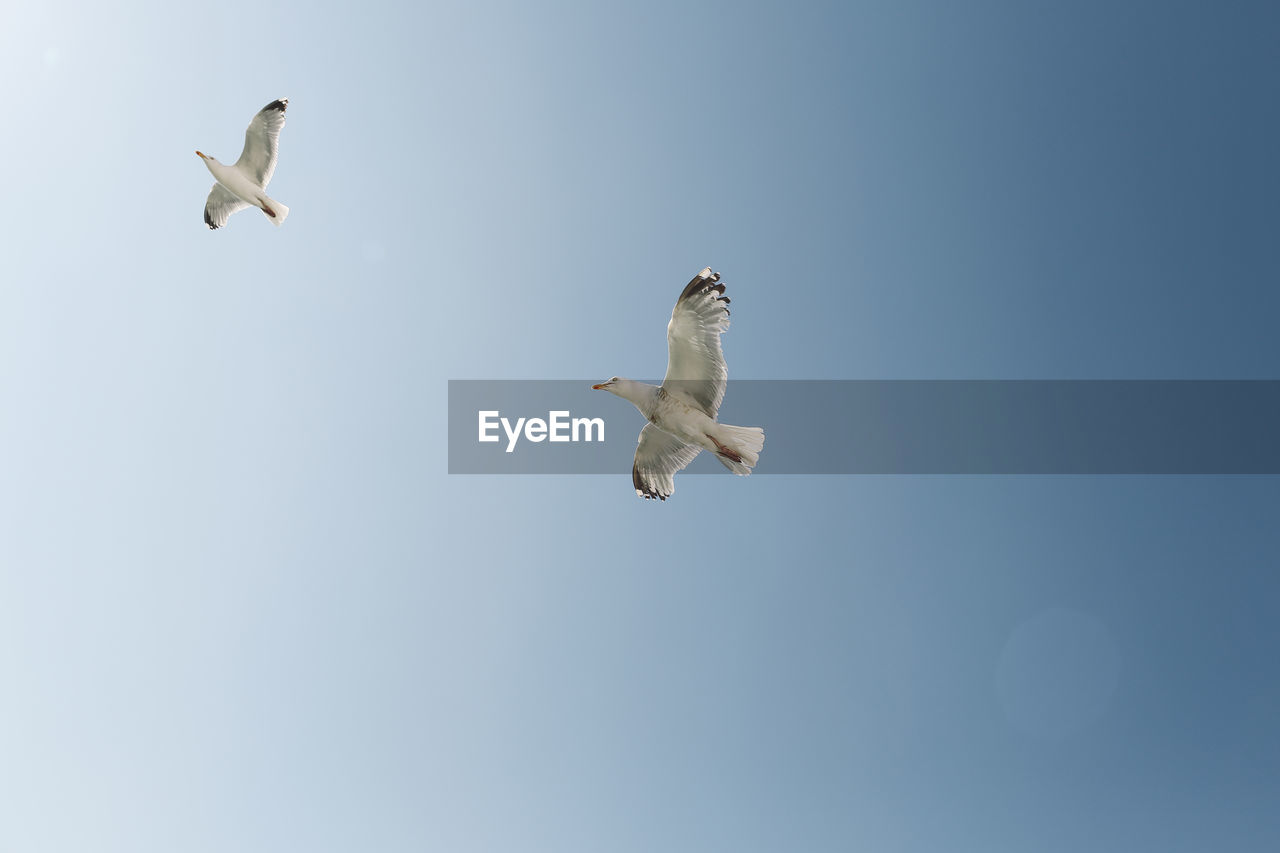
682	410
244	183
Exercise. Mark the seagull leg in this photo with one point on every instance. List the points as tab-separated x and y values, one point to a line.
726	452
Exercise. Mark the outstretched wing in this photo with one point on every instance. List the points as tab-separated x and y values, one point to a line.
659	455
262	143
220	205
695	363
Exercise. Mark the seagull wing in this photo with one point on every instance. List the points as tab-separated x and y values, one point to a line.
262	143
695	363
659	455
221	204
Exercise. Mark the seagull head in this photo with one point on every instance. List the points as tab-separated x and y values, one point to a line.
206	157
642	395
625	388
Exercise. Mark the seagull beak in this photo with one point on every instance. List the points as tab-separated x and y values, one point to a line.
201	155
597	387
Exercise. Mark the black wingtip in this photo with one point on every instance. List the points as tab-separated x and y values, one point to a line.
208	221
701	283
280	104
642	488
706	284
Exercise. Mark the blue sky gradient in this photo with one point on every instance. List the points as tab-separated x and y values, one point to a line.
243	606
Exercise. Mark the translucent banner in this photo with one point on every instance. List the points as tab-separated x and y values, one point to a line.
891	427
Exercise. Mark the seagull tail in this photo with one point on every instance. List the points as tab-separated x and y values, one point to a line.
746	442
274	210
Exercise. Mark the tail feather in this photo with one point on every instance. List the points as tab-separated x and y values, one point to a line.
274	210
747	442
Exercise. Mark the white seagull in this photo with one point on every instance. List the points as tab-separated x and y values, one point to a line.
682	411
244	183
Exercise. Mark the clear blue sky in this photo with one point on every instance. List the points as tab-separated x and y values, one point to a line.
243	606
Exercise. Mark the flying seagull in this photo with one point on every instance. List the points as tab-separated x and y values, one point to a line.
682	411
244	183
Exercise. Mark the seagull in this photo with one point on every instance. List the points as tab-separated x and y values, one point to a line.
682	410
244	183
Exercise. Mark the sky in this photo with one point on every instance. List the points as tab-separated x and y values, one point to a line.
243	605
